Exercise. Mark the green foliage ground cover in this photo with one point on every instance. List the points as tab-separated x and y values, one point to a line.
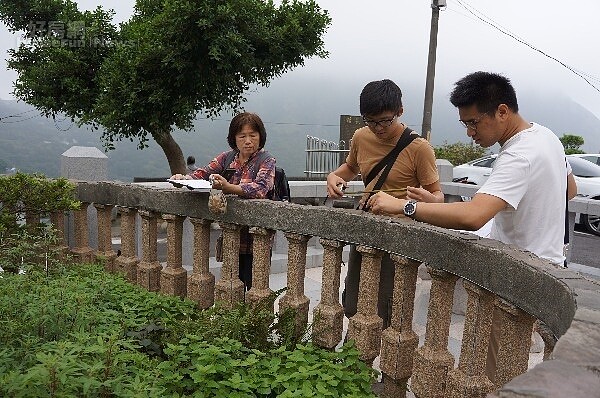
80	332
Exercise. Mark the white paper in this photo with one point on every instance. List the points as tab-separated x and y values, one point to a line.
191	184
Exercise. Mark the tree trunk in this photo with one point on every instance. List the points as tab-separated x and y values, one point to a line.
172	151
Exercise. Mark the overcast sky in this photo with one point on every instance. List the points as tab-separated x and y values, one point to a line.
373	39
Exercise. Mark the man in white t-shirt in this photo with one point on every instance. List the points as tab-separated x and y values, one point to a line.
527	189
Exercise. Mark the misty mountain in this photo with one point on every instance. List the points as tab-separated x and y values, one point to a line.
291	108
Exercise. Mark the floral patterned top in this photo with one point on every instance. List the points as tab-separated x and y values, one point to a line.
253	189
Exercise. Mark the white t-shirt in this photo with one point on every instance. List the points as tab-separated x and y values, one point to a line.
530	174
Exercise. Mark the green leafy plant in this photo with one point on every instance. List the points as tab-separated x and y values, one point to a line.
25	199
572	143
82	332
459	152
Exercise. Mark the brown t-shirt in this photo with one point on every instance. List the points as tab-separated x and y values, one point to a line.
415	165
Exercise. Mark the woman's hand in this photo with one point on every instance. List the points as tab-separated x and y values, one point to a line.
180	177
219	182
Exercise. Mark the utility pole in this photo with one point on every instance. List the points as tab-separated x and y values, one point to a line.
428	105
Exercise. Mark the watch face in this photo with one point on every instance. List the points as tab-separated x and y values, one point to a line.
410	208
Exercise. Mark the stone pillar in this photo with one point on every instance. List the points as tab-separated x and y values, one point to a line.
365	327
329	314
469	379
294	297
82	252
84	164
127	262
433	360
230	289
173	278
261	264
514	343
399	341
105	253
148	270
201	283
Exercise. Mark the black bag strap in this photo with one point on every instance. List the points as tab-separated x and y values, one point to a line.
258	159
391	157
387	162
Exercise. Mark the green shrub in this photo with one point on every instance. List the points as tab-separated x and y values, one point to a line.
82	332
459	152
28	245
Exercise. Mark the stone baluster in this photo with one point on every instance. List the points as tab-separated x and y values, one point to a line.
261	265
58	222
173	278
230	289
365	327
201	283
399	341
329	313
127	262
82	252
148	270
469	379
433	360
514	343
294	297
105	253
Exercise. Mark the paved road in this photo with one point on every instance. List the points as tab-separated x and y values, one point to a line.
585	248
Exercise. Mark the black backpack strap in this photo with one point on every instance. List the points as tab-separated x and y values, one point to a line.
391	157
229	158
261	157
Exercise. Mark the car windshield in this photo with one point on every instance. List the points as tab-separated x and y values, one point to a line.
584	168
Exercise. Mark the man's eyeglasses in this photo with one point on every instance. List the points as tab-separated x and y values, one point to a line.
383	123
472	124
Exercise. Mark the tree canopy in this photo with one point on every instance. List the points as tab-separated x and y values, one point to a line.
572	143
155	72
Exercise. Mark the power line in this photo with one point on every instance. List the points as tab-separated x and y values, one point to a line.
485	19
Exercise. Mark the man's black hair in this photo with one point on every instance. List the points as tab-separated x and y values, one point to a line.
380	96
486	91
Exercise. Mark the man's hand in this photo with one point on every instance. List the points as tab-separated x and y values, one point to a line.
335	184
420	195
180	177
383	203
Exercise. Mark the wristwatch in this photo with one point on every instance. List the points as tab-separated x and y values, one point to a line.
410	208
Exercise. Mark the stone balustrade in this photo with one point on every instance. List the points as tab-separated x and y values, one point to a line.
498	278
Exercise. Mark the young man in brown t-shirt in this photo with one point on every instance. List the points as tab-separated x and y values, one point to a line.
414	169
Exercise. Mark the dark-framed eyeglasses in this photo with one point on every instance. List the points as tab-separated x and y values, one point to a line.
472	123
383	123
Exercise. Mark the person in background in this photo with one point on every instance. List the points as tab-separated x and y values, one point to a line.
191	163
414	169
252	175
526	191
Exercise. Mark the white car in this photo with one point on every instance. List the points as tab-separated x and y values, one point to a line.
592	157
587	176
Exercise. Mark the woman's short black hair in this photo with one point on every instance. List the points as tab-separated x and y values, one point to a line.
246	119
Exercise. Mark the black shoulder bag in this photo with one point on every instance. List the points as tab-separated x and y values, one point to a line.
387	162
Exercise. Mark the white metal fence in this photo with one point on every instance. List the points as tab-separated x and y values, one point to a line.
322	156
